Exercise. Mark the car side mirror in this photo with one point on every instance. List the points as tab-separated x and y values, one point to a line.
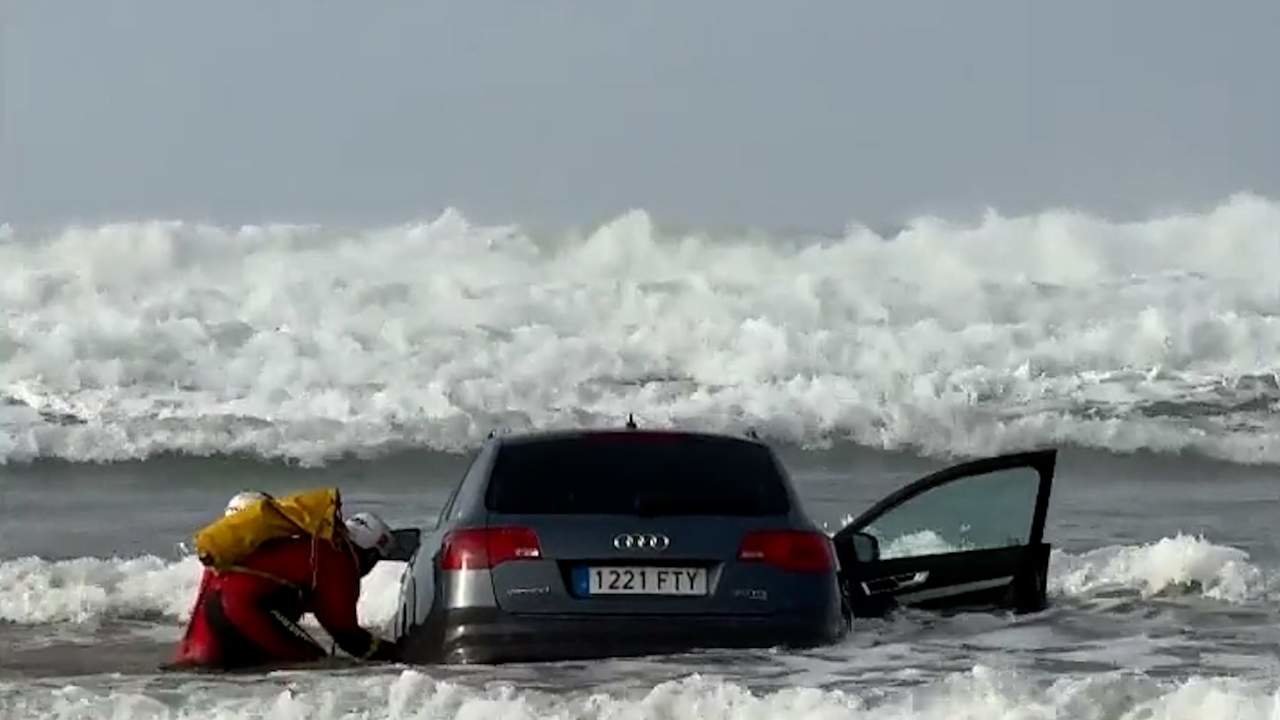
866	547
406	544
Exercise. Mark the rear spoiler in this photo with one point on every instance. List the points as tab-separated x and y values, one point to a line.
631	425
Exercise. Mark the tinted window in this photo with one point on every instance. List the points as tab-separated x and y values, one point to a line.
978	512
636	473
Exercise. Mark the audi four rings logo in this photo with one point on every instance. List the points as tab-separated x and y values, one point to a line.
641	541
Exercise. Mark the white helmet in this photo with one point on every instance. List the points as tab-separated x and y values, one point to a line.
369	532
243	500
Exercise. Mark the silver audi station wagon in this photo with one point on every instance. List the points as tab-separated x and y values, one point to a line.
602	543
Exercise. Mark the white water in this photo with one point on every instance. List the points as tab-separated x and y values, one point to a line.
128	340
923	542
983	693
1173	564
88	590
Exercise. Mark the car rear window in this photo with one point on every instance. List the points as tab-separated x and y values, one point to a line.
636	473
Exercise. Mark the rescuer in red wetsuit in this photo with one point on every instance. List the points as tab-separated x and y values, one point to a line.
249	617
197	646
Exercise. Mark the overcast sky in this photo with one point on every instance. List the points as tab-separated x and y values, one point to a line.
785	114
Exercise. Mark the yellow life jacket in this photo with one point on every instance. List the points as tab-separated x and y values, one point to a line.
225	542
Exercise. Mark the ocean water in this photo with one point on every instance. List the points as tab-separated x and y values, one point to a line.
149	370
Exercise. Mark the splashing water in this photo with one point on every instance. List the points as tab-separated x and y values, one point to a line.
128	340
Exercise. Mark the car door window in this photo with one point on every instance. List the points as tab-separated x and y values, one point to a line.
978	512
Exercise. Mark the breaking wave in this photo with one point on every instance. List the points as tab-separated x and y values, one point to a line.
306	343
1182	564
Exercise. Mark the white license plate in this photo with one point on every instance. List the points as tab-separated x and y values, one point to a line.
646	581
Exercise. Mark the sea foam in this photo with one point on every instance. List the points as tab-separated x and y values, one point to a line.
305	343
982	692
88	590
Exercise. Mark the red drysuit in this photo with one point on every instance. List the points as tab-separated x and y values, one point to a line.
248	616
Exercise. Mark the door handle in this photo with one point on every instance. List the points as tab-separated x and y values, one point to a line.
894	583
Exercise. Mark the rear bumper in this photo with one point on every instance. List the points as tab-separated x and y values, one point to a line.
490	636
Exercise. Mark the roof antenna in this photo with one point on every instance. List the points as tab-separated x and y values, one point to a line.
631	421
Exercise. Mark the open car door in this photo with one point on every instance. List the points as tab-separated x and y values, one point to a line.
968	536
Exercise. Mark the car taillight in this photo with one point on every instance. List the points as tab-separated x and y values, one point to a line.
480	549
793	550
